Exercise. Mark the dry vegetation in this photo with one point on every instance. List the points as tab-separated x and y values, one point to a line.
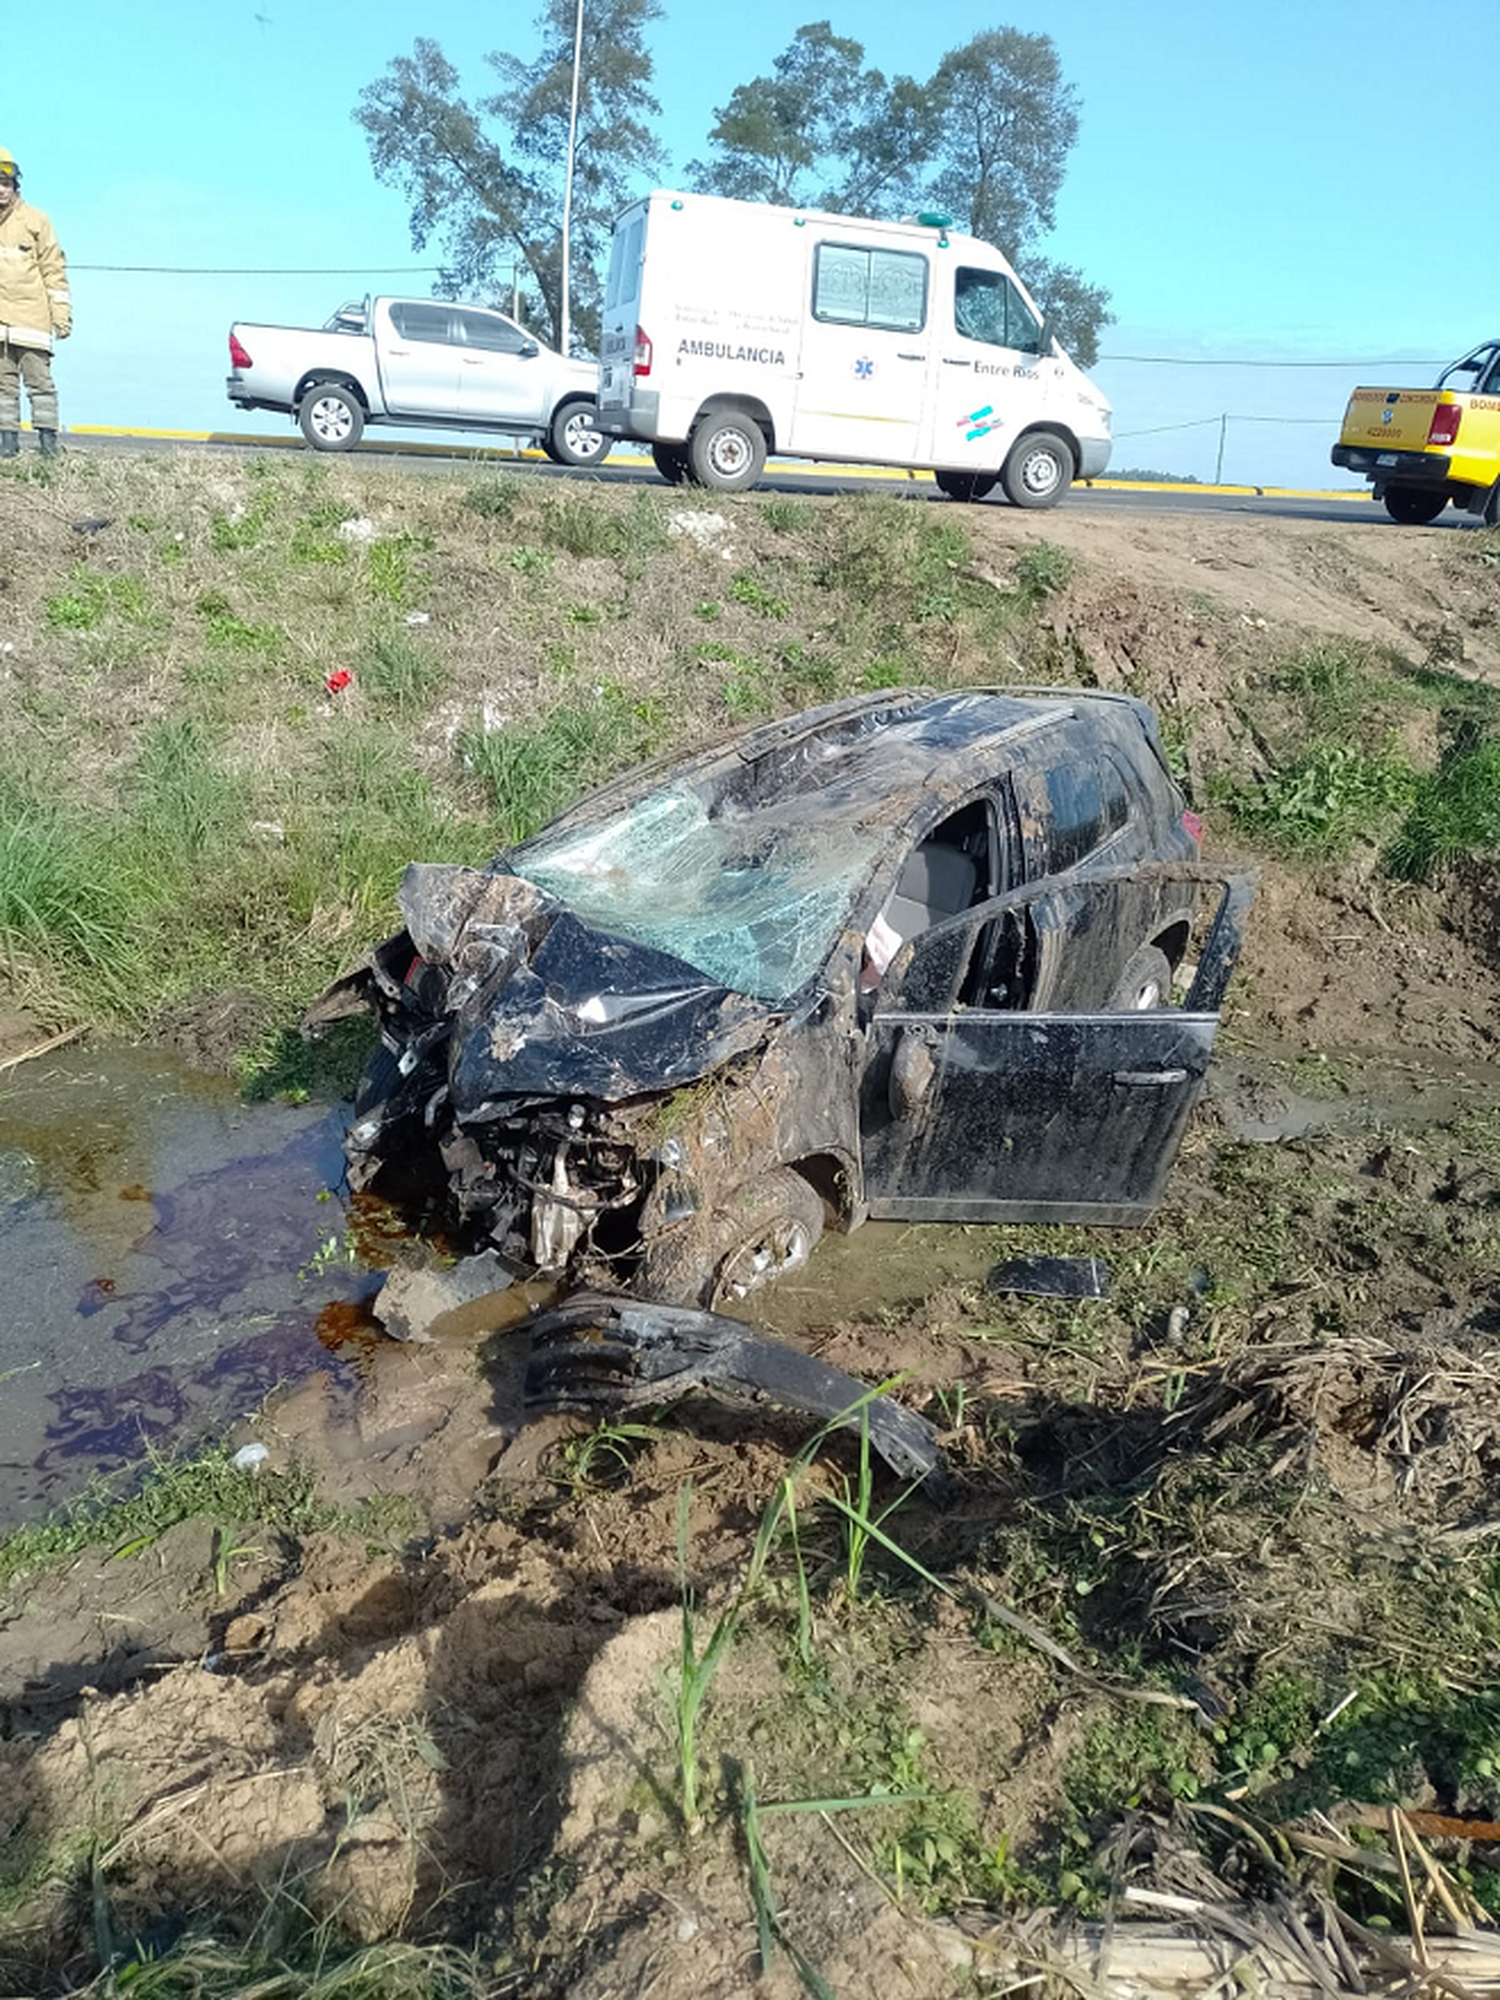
1212	1610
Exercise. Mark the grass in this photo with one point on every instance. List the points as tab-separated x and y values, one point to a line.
174	1490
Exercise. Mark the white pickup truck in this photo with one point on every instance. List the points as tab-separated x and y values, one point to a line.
422	362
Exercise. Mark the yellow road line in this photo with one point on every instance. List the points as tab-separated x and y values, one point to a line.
783	468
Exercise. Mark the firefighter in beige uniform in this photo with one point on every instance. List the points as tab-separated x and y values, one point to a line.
35	310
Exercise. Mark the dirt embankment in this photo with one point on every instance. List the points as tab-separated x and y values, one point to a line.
1243	1508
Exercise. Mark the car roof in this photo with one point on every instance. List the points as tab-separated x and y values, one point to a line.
881	752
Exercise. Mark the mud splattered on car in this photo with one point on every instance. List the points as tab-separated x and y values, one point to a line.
910	955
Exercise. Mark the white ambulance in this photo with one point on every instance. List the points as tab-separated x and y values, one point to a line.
733	329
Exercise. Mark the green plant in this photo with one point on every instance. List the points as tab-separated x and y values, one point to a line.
1042	571
749	590
398	673
528	561
602	1457
1455	812
223	1554
91	597
532	773
1324	799
493	500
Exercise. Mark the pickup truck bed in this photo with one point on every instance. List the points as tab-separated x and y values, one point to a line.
1422	448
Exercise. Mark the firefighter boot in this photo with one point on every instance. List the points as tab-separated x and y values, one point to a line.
46	443
10	444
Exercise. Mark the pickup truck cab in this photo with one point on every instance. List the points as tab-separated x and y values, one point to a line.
426	362
1421	448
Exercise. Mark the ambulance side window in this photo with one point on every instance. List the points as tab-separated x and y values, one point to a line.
987	307
879	288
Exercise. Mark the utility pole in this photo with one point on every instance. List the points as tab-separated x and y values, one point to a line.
1219	467
564	328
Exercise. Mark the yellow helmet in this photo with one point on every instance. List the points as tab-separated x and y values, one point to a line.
8	168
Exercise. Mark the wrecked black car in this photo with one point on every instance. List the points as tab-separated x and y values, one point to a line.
908	955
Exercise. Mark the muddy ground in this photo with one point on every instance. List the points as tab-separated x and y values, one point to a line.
1243	1509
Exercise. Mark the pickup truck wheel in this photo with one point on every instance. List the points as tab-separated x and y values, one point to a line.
727	452
1413	506
331	417
762	1231
573	437
1039	471
671	461
965	485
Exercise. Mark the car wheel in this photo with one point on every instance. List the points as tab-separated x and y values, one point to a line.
1144	985
1039	471
965	485
671	461
727	452
573	437
331	416
1413	506
763	1230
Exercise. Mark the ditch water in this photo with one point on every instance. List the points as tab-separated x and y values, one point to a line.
170	1255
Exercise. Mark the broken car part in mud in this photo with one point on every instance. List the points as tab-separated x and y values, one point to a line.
605	1352
648	1048
1051	1277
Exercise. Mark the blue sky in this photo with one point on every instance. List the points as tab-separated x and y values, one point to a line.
1263	182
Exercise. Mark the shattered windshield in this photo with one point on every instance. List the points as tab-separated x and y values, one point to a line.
752	897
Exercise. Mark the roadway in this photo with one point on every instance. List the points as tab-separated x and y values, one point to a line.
780	476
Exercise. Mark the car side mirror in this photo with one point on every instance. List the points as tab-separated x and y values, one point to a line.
529	350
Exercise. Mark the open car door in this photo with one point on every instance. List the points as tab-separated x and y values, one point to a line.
992	1113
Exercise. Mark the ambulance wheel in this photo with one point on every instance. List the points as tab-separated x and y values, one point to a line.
331	417
1039	471
965	485
671	461
573	437
1413	506
727	451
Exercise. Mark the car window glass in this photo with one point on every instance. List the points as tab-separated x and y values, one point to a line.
416	321
1492	380
988	307
750	893
1075	796
878	288
1116	799
489	331
624	263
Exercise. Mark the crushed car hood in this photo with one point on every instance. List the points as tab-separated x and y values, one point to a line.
536	1003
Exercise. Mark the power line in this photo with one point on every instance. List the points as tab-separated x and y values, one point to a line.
1203	361
227	271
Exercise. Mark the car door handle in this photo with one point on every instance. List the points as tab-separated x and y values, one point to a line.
911	357
956	361
1149	1076
473	360
398	350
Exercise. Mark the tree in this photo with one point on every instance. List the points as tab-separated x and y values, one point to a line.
1076	311
986	139
821	131
1006	123
486	181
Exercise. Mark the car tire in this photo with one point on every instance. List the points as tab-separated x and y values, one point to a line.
574	438
1144	985
966	485
764	1229
1413	506
727	452
671	461
331	416
1039	470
